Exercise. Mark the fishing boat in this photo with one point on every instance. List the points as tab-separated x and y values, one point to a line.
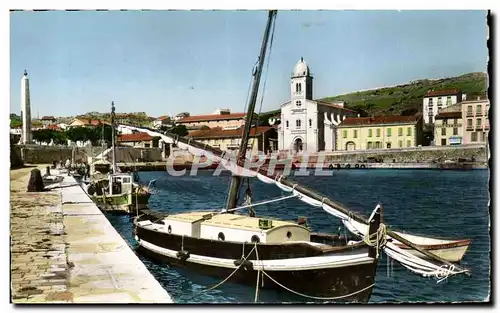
114	191
273	253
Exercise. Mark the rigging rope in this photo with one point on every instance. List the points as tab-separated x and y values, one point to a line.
380	238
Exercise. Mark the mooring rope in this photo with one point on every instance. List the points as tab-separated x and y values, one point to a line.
380	239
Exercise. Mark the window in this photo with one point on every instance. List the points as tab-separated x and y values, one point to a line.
400	131
345	133
479	110
355	135
388	132
469	110
448	100
126	180
408	131
298	123
146	145
400	144
443	131
298	88
469	122
445	121
483	136
378	145
439	102
478	122
378	132
473	136
443	142
408	143
455	121
370	133
369	145
310	122
298	103
455	131
287	124
430	103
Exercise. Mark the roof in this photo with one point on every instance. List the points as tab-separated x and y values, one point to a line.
49	118
377	120
228	133
163	117
54	127
135	137
244	222
301	68
333	105
90	122
456	114
211	117
444	92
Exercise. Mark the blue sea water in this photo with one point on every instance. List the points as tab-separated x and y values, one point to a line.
431	202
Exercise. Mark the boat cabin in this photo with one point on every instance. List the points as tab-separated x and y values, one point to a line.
121	183
234	227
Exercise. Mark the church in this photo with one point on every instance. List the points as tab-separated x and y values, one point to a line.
308	125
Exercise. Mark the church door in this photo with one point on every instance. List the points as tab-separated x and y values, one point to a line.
297	145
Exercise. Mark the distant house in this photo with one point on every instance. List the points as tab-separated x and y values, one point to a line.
448	128
181	116
476	126
139	140
164	120
86	122
262	138
435	100
224	120
48	120
54	127
379	132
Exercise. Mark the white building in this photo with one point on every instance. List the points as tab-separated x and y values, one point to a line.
307	124
436	100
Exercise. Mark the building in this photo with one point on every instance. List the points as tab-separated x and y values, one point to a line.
448	128
225	120
48	120
86	122
138	140
476	126
379	132
261	138
435	100
180	116
164	120
307	124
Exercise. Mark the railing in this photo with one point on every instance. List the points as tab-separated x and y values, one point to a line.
469	114
479	113
470	127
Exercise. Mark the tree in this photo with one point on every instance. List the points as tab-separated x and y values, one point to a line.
180	130
204	127
409	112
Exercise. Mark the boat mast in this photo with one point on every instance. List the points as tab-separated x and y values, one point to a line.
236	180
113	151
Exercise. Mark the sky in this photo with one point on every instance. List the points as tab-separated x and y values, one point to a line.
166	62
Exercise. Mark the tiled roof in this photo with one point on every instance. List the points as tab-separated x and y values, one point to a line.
377	120
212	117
48	118
447	92
54	127
91	122
163	117
135	137
229	133
456	114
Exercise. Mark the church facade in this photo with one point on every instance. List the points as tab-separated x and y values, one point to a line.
308	125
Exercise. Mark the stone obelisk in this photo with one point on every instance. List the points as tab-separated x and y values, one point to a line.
26	136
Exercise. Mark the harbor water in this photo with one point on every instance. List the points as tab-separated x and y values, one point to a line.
436	203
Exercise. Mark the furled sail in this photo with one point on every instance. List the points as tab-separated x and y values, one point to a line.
434	266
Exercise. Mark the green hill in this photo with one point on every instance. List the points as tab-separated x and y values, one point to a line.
407	99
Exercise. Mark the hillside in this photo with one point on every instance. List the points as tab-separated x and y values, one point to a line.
395	100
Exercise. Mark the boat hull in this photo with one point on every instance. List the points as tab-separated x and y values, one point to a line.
122	202
349	277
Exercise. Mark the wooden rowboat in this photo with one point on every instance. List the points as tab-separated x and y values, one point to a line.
450	250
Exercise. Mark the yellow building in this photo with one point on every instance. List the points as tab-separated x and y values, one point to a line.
448	129
379	132
262	138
